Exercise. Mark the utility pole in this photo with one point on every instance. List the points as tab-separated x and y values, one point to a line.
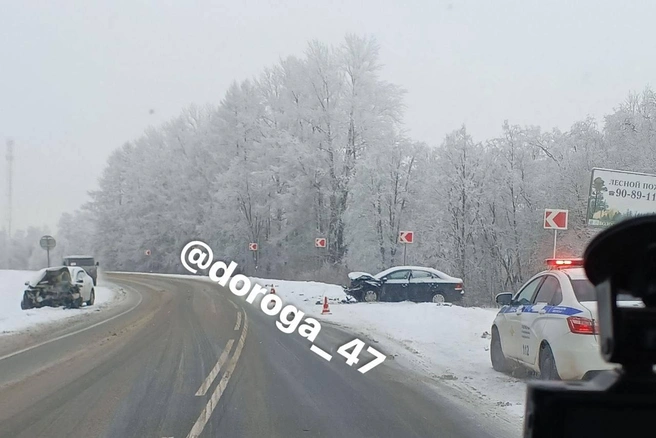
10	160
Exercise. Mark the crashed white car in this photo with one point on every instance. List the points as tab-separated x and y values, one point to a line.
68	286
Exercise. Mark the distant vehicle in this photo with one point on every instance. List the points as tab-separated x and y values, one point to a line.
86	262
59	286
406	283
550	325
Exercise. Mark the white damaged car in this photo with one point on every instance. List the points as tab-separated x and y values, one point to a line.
68	286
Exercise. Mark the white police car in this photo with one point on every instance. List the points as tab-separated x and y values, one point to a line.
550	325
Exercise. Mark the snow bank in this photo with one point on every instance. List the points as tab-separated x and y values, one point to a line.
450	344
13	319
303	293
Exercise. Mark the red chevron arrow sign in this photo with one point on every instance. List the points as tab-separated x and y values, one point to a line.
555	219
406	236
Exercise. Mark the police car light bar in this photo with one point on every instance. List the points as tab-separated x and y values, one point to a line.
564	263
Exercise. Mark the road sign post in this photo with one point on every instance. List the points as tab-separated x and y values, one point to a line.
406	237
48	243
252	246
320	258
554	245
555	219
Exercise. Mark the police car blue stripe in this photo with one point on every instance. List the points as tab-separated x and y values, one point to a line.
558	310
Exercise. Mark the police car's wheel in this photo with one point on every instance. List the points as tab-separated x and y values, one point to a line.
548	369
438	298
370	296
499	361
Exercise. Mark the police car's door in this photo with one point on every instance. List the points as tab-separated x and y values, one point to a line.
511	340
535	317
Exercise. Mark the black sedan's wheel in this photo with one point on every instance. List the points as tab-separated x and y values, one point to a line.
370	296
439	299
499	361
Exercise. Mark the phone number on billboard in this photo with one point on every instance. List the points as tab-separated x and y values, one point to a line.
634	194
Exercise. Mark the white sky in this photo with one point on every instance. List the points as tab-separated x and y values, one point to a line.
78	79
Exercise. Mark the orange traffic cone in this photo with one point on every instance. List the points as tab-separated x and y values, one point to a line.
326	309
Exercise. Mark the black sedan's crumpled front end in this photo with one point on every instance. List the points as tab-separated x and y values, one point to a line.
360	283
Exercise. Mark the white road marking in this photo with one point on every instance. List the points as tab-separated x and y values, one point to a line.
205	415
319	352
215	371
41	344
238	323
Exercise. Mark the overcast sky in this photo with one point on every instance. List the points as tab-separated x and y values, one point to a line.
78	79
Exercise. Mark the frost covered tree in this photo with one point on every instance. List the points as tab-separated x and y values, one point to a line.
315	146
23	249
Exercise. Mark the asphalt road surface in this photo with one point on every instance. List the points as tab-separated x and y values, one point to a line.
182	358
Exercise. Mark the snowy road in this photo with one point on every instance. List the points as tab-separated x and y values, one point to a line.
191	358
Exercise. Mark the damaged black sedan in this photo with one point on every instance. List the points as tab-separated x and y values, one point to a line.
406	283
61	286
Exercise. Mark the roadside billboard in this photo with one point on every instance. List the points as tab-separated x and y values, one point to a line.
616	195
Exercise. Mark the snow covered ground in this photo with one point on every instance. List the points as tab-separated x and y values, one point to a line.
450	344
13	319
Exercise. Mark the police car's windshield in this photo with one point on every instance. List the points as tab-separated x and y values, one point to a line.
585	291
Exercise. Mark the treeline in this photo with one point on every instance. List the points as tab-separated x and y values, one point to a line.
315	147
76	235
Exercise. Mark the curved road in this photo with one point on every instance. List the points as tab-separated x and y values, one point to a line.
183	358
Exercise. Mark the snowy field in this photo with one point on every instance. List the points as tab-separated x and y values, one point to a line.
450	344
13	319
